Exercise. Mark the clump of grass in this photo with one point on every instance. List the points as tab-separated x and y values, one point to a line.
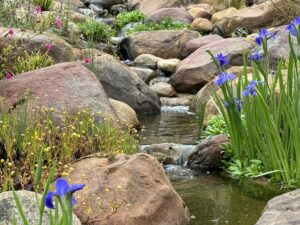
93	30
166	24
27	133
33	62
125	18
263	115
44	4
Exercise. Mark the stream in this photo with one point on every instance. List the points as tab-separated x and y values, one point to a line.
212	198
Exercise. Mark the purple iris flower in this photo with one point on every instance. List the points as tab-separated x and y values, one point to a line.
222	59
255	57
263	34
62	189
223	78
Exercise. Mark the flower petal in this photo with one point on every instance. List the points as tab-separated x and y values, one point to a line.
49	200
75	187
62	187
73	201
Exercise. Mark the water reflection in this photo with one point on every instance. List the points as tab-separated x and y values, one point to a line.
173	125
215	200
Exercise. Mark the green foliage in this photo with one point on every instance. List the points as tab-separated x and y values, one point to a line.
216	125
45	4
125	18
93	30
32	62
244	169
271	128
166	24
29	132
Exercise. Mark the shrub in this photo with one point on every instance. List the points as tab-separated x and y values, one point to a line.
93	30
29	132
125	18
166	24
271	128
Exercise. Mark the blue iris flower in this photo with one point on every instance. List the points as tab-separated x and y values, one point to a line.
250	88
223	78
239	103
292	26
226	104
222	59
62	190
263	34
255	57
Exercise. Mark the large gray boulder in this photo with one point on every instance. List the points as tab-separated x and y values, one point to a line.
132	190
282	210
198	68
165	44
8	209
121	84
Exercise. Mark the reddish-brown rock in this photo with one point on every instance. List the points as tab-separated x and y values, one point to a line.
198	68
63	86
251	18
165	44
196	43
130	191
208	154
177	14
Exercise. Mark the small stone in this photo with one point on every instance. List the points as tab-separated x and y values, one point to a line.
202	24
168	65
163	89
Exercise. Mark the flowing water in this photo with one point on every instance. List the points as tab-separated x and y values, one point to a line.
212	199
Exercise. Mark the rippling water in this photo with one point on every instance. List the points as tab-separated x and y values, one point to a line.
173	125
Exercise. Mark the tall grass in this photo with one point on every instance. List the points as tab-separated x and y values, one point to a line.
270	105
